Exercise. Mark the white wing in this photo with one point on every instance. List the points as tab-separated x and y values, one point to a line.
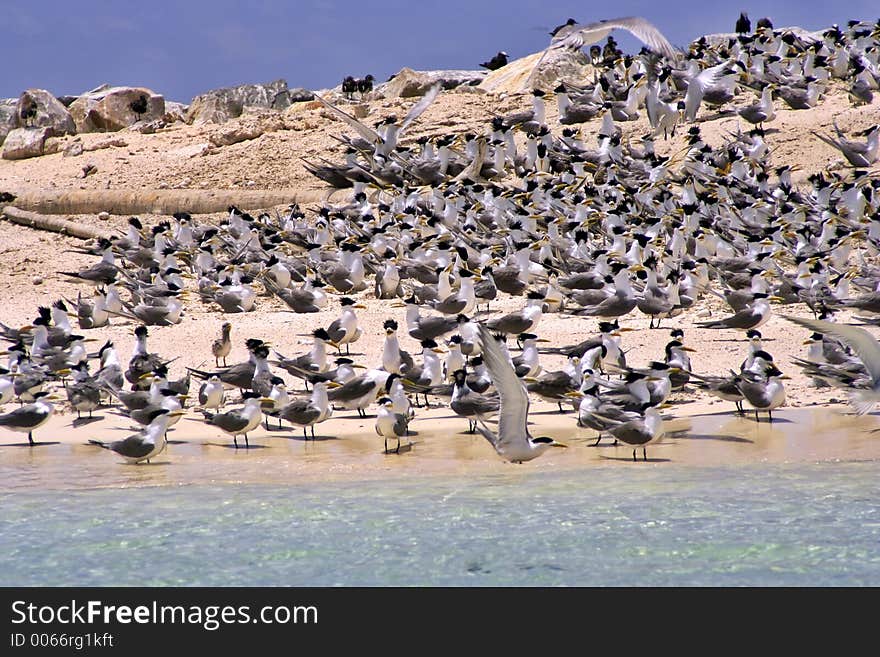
421	106
862	342
365	131
580	35
514	407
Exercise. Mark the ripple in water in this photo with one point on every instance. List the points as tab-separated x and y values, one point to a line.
763	525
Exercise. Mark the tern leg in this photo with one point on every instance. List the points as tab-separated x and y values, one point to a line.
31	437
246	444
634	456
312	429
644	454
598	438
397	451
235	442
305	435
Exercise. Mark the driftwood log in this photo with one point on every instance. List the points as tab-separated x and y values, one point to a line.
160	201
49	222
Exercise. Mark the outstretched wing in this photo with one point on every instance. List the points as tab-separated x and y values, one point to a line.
862	342
514	401
365	131
579	35
417	109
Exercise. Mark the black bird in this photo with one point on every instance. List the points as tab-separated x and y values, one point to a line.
365	85
139	106
28	110
764	22
567	23
496	62
349	86
743	24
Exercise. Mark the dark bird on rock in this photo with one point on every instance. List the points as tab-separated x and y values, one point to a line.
743	24
496	62
139	106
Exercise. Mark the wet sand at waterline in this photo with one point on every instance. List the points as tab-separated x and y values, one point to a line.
347	449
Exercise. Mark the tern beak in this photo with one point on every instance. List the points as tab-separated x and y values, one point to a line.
333	384
687	349
177	413
359	305
556	444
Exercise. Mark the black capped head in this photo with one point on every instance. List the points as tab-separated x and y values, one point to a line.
389	325
321	334
141	331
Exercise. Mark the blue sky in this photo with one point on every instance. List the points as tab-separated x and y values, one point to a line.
181	48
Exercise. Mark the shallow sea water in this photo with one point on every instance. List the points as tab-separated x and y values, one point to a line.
764	524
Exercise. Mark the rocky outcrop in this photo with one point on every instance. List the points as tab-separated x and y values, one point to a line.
22	143
7	117
537	71
107	109
408	83
299	95
43	111
175	111
221	105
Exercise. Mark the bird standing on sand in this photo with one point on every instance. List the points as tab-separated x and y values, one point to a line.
390	424
642	430
240	421
512	442
26	419
147	443
308	412
221	347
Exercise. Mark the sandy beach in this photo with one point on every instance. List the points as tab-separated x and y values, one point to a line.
175	158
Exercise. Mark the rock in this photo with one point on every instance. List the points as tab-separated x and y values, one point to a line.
221	105
22	143
408	83
108	109
73	149
299	95
7	117
234	134
48	112
175	112
520	75
88	170
104	216
37	280
360	111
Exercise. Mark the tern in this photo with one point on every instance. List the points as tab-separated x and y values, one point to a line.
308	412
31	416
513	442
866	347
238	422
145	444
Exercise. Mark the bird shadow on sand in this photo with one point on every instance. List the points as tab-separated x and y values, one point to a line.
240	448
36	444
629	459
715	436
83	421
404	448
567	411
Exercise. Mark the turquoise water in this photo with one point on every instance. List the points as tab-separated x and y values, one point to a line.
762	525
